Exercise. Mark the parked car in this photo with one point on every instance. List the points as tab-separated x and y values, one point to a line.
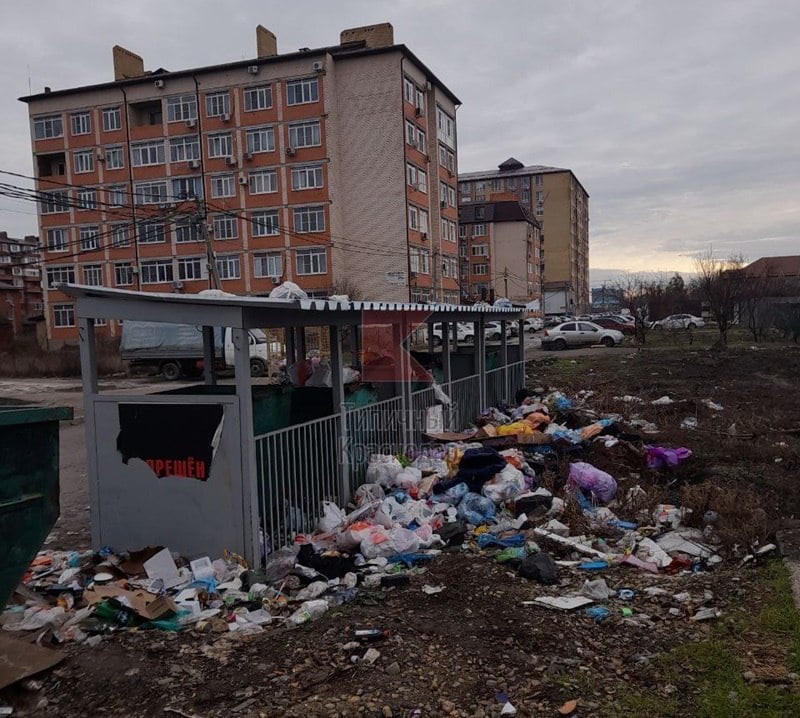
678	321
581	334
613	323
464	333
534	324
493	331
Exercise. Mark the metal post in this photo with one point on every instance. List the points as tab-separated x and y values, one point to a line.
209	359
521	355
405	382
337	383
288	338
89	377
480	359
300	344
446	376
354	357
430	325
504	357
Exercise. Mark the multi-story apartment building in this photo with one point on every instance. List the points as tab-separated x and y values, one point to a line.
334	168
499	248
561	205
20	283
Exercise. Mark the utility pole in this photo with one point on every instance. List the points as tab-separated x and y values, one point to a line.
505	281
211	261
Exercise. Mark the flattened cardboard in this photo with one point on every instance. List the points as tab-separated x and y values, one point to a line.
20	659
147	605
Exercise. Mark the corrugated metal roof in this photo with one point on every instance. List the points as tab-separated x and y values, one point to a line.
523	171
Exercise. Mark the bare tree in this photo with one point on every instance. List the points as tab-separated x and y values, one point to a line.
636	293
723	285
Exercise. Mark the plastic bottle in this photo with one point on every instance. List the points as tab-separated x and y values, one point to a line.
112	614
370	634
308	611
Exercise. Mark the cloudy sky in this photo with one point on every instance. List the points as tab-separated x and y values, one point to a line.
681	118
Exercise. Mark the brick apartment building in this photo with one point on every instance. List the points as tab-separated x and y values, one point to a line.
333	167
499	246
20	285
560	204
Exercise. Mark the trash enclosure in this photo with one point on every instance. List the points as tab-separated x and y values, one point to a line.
243	466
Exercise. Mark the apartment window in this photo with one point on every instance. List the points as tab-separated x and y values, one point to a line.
462	250
84	161
423	220
123	274
184	149
63	315
447	159
480	269
81	123
144	154
424	261
225	227
229	267
190	268
479	230
413	257
117	195
416	178
223	186
526	196
496	185
220	145
539	210
260	139
540	196
462	231
56	241
187	188
151	233
309	219
538	180
150	192
411	133
447	194
311	261
87	199
92	275
422	142
305	134
88	238
445	128
419	101
308	177
448	230
156	271
181	108
263	182
218	104
480	212
111	119
120	236
187	230
408	90
45	128
267	264
299	92
114	158
54	202
257	98
526	182
480	250
265	224
422	180
413	218
60	275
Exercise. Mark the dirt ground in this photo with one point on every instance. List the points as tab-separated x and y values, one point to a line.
465	650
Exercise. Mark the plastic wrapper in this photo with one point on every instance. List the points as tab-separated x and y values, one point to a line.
332	517
453	495
586	477
279	564
383	469
368	494
510	482
476	509
288	290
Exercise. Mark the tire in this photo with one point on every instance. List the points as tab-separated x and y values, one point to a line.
607	342
437	341
658	327
495	337
559	345
257	367
469	339
691	325
171	370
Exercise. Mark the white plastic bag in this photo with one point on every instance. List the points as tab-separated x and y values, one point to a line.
368	494
382	469
332	517
402	541
509	483
408	478
287	290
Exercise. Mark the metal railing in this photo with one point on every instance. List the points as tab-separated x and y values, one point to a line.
466	406
373	429
421	401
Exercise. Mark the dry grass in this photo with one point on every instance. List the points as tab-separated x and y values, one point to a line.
27	359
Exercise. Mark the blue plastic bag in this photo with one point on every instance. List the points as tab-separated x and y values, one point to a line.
488	539
453	495
476	509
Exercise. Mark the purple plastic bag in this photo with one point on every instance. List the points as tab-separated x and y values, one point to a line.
589	478
660	457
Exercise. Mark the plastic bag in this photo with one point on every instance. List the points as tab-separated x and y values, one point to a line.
589	478
441	397
321	377
287	290
660	457
350	375
314	590
279	564
367	494
453	495
510	482
476	509
382	469
408	478
597	589
351	537
403	541
332	517
539	567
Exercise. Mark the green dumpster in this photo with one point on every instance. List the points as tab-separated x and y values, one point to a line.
28	486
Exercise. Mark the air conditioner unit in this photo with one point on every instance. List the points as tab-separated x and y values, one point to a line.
443	204
276	280
290	151
191	123
253	69
248	155
194	164
423	236
230	161
226	117
242	179
318	66
159	84
177	285
100	156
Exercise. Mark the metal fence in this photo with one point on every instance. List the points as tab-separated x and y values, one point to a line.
421	401
373	429
466	402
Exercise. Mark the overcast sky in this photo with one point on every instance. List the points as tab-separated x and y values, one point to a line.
681	118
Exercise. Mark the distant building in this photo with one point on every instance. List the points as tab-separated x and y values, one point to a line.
559	202
20	285
606	299
499	250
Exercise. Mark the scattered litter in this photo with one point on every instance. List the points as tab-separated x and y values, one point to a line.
562	603
432	590
568	708
690	423
706	614
598	613
662	401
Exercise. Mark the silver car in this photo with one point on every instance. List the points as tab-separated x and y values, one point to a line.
581	334
679	321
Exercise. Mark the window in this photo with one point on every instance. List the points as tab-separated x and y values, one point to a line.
184	149
299	92
411	133
260	139
156	271
462	231
84	161
150	192
423	220
480	212
54	202
63	315
81	123
120	236
309	219
525	183
413	218
114	158
267	264
424	261
257	98
117	195
265	224
480	250
92	275
144	154
450	266
496	185
190	268
538	180
181	108
447	194
187	188
421	140
419	101
447	158
526	196
312	261
88	237
540	196
123	274
44	128
539	210
305	134
480	269
56	240
60	275
111	119
408	90
223	186
445	128
187	230
462	250
87	199
448	230
263	182
218	104
308	177
228	266
150	233
225	227
479	230
220	145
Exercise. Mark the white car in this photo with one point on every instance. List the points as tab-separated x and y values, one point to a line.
534	324
464	333
493	331
679	321
581	334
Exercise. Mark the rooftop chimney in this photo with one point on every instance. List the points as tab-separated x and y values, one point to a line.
381	35
127	64
266	42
